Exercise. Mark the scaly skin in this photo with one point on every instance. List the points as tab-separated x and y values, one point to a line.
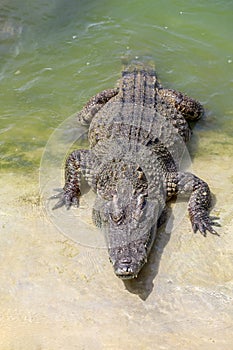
137	134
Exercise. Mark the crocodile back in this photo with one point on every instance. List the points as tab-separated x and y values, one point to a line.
138	116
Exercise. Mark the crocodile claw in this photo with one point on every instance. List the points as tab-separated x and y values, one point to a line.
65	199
204	224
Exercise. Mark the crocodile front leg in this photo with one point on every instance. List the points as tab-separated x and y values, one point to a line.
86	115
187	184
79	163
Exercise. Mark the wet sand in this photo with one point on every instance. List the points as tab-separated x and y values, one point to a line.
57	294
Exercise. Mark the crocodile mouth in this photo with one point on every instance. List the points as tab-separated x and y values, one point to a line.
126	269
126	275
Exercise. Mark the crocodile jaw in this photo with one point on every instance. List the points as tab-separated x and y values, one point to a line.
129	258
127	271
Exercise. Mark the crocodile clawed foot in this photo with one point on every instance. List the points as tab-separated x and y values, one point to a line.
65	199
204	223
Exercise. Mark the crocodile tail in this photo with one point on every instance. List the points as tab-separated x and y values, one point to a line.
138	64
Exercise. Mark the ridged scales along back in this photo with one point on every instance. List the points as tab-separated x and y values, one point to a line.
138	115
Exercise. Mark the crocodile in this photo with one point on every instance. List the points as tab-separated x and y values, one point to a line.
137	135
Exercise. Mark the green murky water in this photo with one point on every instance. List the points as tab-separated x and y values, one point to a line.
55	293
55	55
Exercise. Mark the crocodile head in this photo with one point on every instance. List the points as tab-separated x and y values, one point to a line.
129	222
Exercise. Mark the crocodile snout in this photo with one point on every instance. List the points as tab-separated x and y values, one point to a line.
128	267
125	272
124	268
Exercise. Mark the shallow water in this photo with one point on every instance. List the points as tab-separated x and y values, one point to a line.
56	292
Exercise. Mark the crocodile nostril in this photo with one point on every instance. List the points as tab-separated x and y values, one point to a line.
126	260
